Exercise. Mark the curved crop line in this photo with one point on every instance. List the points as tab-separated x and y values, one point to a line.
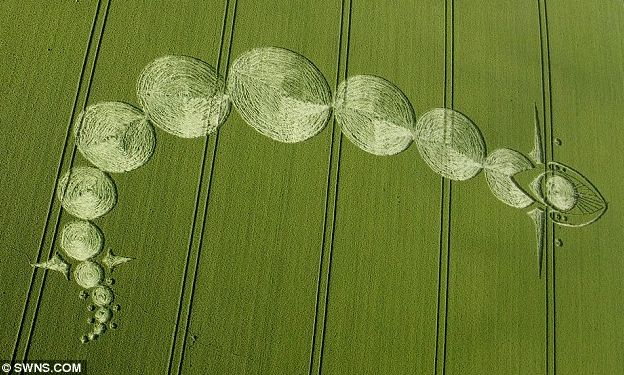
372	112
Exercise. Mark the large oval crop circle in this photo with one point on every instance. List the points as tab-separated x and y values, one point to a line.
450	143
500	167
183	96
374	114
115	136
280	93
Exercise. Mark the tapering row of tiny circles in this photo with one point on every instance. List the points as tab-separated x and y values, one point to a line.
88	193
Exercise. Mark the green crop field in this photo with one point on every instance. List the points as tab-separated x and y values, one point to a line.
254	256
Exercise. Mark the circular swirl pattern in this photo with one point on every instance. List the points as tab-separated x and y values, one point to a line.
374	114
102	295
88	274
183	96
103	315
115	136
280	93
81	240
86	192
450	144
560	192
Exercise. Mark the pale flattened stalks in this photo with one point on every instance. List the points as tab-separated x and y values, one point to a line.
87	192
280	93
183	96
116	137
374	114
450	144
